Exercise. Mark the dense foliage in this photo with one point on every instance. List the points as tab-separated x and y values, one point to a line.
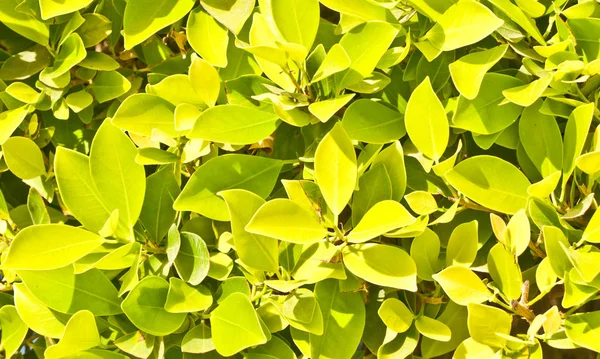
299	178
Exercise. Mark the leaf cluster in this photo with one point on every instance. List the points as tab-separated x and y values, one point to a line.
326	179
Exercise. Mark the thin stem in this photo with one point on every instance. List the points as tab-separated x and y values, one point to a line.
575	308
153	250
470	205
542	295
502	304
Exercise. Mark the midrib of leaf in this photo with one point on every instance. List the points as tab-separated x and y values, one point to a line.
25	160
208	30
124	187
263	247
326	322
92	191
240	183
377	228
431	128
237	129
297	25
58	249
103	299
249	332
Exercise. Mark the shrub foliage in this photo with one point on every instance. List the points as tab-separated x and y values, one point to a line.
327	179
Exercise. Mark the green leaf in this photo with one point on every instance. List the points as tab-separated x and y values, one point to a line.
545	187
137	344
505	272
232	14
66	292
99	61
343	322
138	28
95	29
252	173
454	316
335	61
585	30
374	187
526	95
53	8
426	121
462	285
383	217
464	23
10	120
144	306
119	180
260	252
23	92
392	158
297	20
421	202
198	340
363	9
49	246
484	114
541	140
586	262
575	135
365	45
80	334
78	190
433	329
589	162
70	54
25	63
142	113
485	323
236	325
22	23
109	85
518	233
78	101
555	240
468	71
324	110
207	37
425	250
491	182
234	124
205	81
518	16
37	315
372	122
399	345
288	221
582	329
470	348
462	245
23	157
381	264
336	169
37	208
183	298
302	311
592	231
396	315
154	156
14	330
157	213
192	262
